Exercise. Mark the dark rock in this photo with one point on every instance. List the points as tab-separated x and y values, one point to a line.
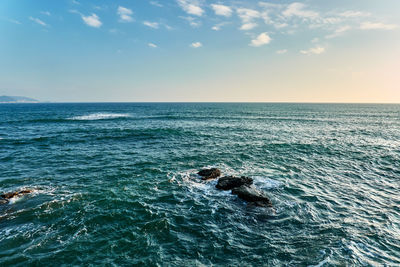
16	193
9	195
251	194
26	191
209	173
230	182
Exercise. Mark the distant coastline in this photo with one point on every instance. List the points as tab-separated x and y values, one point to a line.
17	99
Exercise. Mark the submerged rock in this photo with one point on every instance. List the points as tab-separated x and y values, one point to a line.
251	194
230	182
208	174
3	201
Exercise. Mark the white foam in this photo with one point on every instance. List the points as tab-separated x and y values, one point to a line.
195	184
323	262
190	177
266	183
100	116
17	198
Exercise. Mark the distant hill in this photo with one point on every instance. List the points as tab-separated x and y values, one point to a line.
17	99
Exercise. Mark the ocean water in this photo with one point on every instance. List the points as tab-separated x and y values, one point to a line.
115	184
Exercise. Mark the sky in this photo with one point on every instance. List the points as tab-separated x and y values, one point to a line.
201	50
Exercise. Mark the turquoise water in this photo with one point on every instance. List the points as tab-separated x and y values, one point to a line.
115	184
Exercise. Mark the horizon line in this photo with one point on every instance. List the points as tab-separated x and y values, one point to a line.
199	102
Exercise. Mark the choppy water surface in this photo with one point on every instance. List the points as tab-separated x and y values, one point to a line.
115	184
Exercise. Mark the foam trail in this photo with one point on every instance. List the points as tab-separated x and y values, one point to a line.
101	116
267	183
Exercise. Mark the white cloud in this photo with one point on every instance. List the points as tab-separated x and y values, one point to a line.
155	3
152	45
269	5
298	10
248	15
168	27
354	14
261	39
192	21
248	26
313	51
218	26
191	7
125	14
153	25
281	52
222	10
47	13
92	20
332	20
377	26
271	10
339	31
196	44
38	21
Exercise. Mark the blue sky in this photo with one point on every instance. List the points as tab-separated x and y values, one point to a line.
198	50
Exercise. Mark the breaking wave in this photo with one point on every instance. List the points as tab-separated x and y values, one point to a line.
100	116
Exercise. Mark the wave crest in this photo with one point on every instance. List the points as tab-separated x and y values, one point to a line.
101	116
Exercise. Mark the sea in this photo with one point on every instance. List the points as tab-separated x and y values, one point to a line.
116	184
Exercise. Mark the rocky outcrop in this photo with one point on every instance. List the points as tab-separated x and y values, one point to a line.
251	194
4	198
241	186
231	182
208	174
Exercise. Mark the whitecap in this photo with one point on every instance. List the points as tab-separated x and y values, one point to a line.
266	183
101	116
195	184
17	198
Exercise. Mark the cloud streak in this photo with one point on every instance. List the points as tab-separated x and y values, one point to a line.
154	25
339	31
299	10
38	21
155	3
313	51
377	26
